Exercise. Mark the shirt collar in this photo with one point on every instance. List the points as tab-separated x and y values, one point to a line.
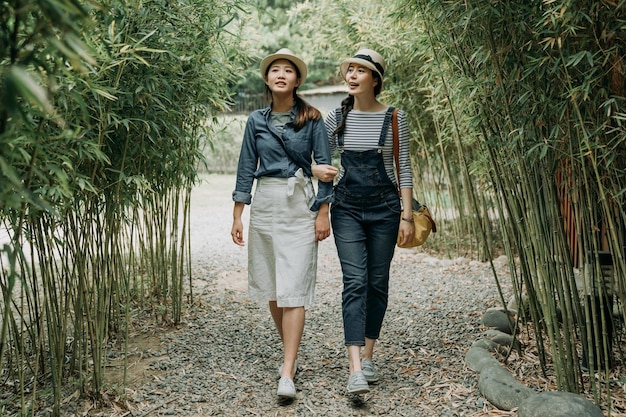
266	111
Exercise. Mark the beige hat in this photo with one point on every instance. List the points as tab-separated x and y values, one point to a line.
284	53
366	57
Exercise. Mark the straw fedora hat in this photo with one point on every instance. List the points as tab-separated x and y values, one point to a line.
366	57
284	53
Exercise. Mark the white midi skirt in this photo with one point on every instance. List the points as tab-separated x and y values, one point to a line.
282	251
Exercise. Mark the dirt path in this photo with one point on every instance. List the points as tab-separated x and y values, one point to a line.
222	360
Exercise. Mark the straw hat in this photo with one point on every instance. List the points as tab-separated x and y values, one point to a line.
366	57
284	53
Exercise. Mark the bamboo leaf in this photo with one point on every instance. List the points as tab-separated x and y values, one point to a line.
26	86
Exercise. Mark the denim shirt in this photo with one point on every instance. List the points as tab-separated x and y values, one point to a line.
262	155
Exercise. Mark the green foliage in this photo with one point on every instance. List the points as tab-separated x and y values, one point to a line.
103	113
268	27
530	96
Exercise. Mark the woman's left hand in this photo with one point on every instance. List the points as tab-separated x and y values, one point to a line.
324	172
406	232
322	227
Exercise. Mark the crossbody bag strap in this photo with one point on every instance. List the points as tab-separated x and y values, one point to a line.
288	152
282	143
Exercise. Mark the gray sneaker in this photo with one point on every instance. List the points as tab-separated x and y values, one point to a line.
286	389
369	370
357	384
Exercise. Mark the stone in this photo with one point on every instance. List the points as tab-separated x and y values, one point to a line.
497	318
501	388
558	404
499	337
519	307
486	344
477	358
512	306
503	339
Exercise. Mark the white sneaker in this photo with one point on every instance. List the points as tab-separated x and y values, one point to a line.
286	389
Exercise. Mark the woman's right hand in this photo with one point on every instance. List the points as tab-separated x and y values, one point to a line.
324	172
237	232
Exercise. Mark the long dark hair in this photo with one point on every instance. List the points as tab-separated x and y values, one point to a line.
304	111
348	103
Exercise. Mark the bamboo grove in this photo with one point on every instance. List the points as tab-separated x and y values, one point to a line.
525	108
102	112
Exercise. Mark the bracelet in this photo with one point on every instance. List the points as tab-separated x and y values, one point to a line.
410	220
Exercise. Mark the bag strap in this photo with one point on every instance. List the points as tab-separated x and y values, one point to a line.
396	143
291	156
282	143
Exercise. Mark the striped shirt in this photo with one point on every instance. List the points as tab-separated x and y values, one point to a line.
362	133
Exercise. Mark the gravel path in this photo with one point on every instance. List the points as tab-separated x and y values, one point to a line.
222	361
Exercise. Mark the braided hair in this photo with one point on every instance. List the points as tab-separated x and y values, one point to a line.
348	103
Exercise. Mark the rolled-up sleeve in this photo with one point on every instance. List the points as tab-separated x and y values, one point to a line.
321	155
247	165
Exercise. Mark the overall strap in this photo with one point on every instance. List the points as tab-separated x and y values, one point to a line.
339	134
396	145
385	128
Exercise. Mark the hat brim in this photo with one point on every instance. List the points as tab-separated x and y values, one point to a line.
267	61
343	68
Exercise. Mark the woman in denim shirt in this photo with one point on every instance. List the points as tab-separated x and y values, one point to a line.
287	217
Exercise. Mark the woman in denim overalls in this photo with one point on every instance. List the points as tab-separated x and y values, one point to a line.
366	211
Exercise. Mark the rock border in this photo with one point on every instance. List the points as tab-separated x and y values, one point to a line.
501	388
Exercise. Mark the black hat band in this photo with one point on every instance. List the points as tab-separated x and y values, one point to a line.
370	60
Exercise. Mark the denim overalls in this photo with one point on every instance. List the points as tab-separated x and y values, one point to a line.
365	217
